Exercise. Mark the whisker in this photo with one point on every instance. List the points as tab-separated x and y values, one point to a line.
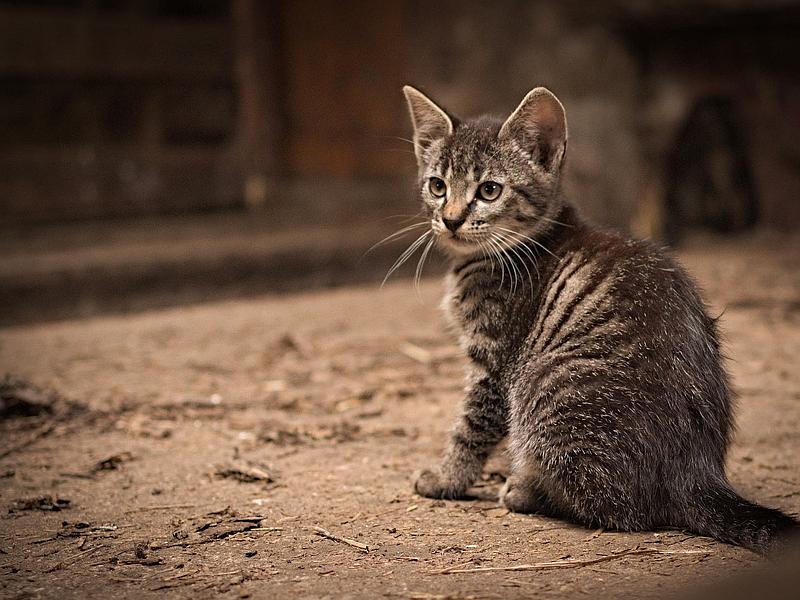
498	252
523	236
488	256
396	137
549	220
523	247
513	249
406	255
421	263
402	139
519	241
405	216
487	253
512	262
418	215
515	274
395	235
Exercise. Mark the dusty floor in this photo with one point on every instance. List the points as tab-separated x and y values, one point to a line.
194	452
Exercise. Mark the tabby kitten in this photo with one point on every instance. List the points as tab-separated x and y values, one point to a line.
591	352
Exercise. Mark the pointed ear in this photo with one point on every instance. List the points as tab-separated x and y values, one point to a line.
430	122
540	125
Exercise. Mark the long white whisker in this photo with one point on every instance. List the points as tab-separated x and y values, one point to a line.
406	255
521	245
517	271
495	250
513	248
533	257
549	220
486	255
526	250
396	234
505	260
529	239
405	216
417	215
397	137
421	263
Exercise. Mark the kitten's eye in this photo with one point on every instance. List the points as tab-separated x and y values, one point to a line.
437	187
489	190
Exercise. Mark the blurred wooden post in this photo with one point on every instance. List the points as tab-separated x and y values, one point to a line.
260	124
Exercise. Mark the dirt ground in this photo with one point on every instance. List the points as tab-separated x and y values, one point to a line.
265	448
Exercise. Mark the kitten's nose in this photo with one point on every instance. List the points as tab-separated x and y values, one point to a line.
453	224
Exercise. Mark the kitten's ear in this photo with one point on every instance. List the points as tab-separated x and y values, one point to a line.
430	122
540	124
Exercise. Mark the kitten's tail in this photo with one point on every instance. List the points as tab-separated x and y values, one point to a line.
721	513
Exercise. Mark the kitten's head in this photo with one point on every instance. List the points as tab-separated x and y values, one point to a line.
486	183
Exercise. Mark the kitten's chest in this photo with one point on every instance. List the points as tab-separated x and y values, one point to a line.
487	315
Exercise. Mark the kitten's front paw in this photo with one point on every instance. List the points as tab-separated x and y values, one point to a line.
432	484
517	498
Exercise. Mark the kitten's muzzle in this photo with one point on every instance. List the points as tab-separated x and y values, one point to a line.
453	224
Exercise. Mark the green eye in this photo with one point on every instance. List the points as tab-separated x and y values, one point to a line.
489	190
437	187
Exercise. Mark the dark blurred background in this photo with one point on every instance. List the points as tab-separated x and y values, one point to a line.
155	152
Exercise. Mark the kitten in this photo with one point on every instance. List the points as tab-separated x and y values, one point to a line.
593	353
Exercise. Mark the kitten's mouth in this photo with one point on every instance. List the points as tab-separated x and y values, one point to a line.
453	237
458	242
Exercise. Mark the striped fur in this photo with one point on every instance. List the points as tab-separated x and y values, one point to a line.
592	353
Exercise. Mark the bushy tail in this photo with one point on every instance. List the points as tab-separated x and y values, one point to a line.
721	513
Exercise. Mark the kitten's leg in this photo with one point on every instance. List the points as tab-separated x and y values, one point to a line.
482	424
586	474
525	490
523	493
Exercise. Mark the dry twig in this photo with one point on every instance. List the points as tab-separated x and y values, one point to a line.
414	352
331	536
40	433
159	507
566	564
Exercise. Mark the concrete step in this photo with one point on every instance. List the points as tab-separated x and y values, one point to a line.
85	269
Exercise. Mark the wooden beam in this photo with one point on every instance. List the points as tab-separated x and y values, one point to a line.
257	28
86	45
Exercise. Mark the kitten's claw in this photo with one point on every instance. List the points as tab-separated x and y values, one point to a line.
432	484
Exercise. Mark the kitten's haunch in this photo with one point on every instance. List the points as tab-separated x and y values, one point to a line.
593	353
